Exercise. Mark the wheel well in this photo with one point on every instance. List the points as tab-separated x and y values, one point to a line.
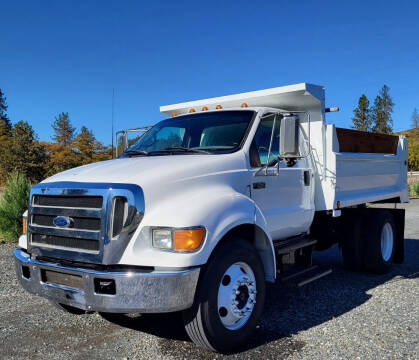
257	237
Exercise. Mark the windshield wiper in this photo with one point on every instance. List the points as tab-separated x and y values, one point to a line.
183	149
136	152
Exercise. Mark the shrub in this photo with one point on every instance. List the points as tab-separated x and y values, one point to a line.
416	189
13	203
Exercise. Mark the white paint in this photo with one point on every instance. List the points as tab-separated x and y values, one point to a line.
216	191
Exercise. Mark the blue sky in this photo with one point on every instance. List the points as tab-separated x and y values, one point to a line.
68	55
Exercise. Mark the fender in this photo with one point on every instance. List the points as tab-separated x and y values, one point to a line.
218	209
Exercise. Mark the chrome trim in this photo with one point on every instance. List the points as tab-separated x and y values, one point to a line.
144	292
110	250
54	210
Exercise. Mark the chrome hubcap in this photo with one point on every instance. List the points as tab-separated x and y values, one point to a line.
236	296
386	242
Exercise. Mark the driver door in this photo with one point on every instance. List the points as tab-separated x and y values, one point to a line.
279	195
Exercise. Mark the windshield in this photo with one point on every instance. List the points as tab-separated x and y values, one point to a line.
200	133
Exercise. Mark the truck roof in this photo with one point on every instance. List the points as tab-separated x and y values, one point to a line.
301	96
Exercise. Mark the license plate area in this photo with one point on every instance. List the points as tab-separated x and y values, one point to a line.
60	278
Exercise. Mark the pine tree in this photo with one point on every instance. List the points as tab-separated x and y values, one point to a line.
415	119
382	109
23	154
362	115
63	131
5	124
85	145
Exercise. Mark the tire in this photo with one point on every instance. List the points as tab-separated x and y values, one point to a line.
213	326
353	245
68	309
380	242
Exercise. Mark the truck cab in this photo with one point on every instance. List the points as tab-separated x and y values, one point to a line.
209	204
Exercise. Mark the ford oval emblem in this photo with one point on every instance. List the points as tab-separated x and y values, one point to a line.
62	221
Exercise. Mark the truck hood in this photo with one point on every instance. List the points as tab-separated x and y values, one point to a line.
145	171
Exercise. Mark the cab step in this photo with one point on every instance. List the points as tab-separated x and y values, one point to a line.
292	244
305	276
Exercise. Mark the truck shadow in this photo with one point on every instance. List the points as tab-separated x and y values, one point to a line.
288	309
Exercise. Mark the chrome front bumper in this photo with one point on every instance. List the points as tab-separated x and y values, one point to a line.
143	292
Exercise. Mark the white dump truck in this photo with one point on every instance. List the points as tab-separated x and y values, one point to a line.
208	205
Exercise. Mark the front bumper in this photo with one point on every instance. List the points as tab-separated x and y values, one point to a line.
142	292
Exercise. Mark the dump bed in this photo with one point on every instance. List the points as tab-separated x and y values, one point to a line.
364	167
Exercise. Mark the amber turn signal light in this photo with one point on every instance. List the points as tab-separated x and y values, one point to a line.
188	240
24	225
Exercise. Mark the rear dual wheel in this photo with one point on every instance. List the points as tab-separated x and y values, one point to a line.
369	243
229	299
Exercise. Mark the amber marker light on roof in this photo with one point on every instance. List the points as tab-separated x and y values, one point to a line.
244	105
173	114
188	239
218	107
204	108
191	110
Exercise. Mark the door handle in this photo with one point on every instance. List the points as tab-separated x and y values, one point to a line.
307	178
259	185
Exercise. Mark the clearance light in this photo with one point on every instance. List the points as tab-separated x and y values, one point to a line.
204	108
244	105
173	114
192	110
218	107
188	240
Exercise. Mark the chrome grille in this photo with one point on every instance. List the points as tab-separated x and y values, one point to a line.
91	202
84	232
93	231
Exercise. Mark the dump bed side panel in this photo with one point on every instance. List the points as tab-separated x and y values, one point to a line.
366	177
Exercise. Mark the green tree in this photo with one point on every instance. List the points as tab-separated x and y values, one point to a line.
24	153
12	205
5	124
362	115
63	130
415	119
382	110
5	133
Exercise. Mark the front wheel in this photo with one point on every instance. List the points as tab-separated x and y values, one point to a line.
229	299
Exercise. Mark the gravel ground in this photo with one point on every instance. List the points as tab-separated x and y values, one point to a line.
342	316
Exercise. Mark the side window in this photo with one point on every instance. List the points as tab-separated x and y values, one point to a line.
260	145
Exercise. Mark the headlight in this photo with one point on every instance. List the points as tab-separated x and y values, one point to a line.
178	240
162	239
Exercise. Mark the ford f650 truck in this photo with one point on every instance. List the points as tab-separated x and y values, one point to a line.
209	204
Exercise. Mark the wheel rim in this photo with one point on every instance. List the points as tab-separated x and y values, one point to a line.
236	296
387	242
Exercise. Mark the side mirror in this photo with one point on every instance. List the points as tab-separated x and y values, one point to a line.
288	138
